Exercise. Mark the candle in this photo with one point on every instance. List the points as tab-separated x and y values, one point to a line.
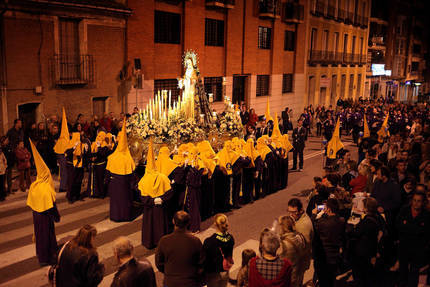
170	97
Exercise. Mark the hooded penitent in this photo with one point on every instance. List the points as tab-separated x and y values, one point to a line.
334	145
41	195
262	148
366	132
63	141
164	163
153	183
227	157
250	151
383	131
267	113
207	155
120	161
100	139
77	153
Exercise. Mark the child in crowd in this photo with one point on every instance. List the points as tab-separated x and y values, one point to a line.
23	156
242	276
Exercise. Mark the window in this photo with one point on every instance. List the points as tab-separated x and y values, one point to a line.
289	40
361	45
313	39
99	106
69	50
214	32
415	66
287	83
264	37
345	43
353	45
400	46
167	27
167	84
213	85
325	41
262	85
336	41
416	49
351	85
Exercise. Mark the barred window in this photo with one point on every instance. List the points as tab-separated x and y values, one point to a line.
214	32
287	83
264	37
263	82
167	27
289	40
167	84
213	85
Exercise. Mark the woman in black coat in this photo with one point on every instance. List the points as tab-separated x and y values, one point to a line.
364	236
78	263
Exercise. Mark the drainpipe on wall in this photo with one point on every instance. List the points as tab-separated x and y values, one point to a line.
3	85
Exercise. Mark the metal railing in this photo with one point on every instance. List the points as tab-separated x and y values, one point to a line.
72	69
293	12
335	58
221	3
269	8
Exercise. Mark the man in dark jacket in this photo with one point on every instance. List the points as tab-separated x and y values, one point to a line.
179	255
413	225
299	137
328	242
131	272
388	195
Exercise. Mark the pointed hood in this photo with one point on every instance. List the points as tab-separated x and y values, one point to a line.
63	141
41	195
250	151
153	183
262	148
101	139
366	132
383	131
227	157
276	131
207	155
164	163
267	113
120	161
334	145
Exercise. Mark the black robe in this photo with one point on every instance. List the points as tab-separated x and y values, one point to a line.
61	159
221	190
75	175
237	178
193	197
44	233
97	170
122	193
155	220
207	197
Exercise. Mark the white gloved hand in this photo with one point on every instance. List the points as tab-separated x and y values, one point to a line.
158	201
76	144
86	147
172	182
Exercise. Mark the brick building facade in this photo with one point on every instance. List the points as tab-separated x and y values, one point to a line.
248	50
63	53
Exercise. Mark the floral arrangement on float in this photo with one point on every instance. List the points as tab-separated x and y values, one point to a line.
189	119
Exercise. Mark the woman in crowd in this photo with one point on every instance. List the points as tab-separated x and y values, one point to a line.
293	246
78	264
218	250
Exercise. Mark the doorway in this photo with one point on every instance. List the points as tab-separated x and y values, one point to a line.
333	93
28	114
323	92
311	90
342	87
239	89
99	106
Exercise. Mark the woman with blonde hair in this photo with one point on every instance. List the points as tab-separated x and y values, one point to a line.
218	250
78	261
293	245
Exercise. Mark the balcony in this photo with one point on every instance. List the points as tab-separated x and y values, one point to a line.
293	13
377	41
349	19
335	58
269	9
228	4
319	8
72	70
341	15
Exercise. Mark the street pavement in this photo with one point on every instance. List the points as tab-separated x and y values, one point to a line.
18	261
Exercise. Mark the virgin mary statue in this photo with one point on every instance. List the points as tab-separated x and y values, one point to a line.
193	94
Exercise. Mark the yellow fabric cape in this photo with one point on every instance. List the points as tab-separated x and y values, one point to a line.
76	138
101	136
120	161
41	195
267	113
63	141
383	131
262	148
180	157
366	132
153	183
164	163
227	157
334	145
287	144
250	151
207	155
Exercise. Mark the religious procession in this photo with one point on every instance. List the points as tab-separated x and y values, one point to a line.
178	163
